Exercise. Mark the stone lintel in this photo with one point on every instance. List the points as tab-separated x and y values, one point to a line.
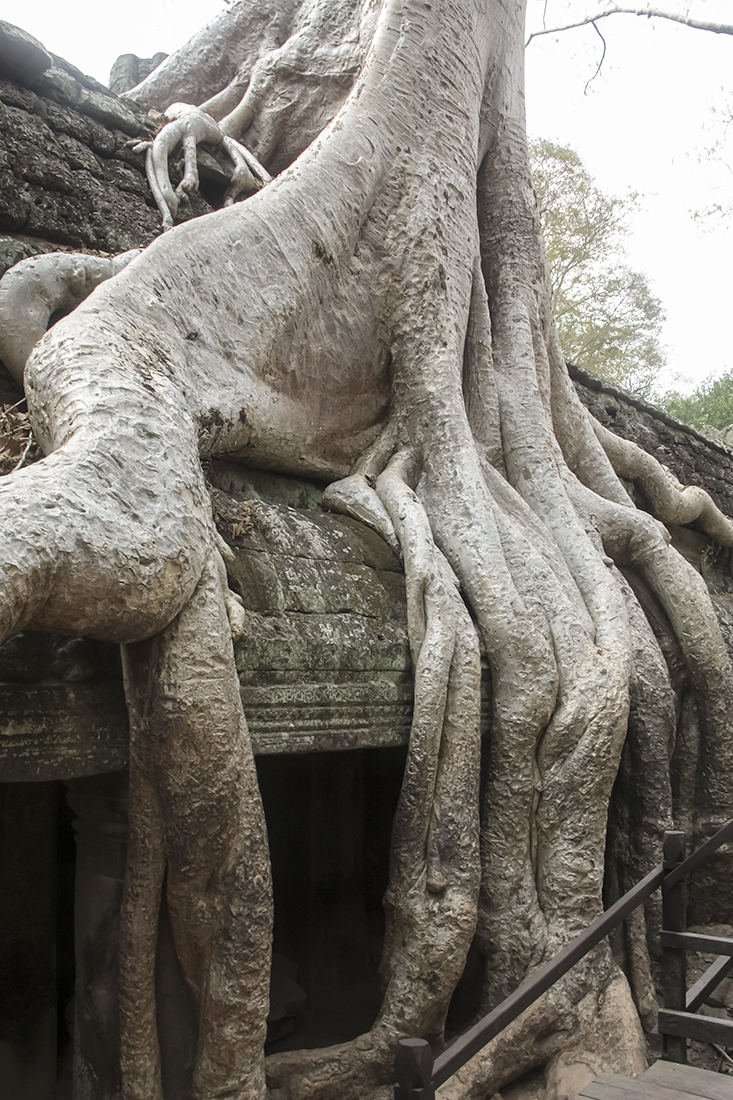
63	731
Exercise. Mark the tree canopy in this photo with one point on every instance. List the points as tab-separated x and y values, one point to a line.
608	319
709	405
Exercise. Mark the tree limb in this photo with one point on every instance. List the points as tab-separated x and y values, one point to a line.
599	66
650	13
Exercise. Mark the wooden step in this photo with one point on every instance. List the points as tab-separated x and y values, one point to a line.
662	1081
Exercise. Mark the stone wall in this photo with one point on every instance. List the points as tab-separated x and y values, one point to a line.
693	458
324	663
69	174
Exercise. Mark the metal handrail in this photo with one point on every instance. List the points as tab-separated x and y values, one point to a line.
418	1075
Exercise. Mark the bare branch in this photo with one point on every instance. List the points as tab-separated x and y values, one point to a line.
23	457
650	13
599	66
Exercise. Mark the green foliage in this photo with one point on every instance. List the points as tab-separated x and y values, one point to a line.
608	319
710	405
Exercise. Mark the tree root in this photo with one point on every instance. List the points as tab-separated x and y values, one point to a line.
575	1033
196	813
190	127
34	290
641	806
368	351
672	502
431	902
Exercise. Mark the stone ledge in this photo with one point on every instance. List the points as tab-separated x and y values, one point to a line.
63	731
324	664
584	379
60	731
22	57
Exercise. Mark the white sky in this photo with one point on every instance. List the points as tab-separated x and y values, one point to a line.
91	34
642	125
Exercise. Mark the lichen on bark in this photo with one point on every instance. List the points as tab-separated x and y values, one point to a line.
378	315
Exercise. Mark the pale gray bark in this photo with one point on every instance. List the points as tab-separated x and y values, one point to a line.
33	290
378	315
195	814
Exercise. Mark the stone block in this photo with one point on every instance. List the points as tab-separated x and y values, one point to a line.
22	57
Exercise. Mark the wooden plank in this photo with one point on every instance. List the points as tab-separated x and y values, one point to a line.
610	1080
698	993
706	1029
694	941
596	1090
612	1087
663	1081
693	1081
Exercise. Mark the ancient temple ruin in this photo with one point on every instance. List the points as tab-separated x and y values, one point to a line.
324	669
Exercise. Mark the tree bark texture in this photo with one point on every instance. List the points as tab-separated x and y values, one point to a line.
378	316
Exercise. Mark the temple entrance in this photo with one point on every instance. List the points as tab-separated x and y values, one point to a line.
62	860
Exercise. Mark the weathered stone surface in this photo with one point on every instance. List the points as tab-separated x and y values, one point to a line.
324	663
22	57
61	177
129	70
13	250
85	80
68	172
58	731
320	717
60	86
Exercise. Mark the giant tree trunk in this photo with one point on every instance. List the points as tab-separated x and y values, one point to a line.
379	315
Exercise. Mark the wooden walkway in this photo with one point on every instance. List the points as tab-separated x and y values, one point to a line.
662	1081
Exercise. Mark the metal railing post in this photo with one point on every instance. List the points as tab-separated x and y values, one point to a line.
413	1066
674	959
